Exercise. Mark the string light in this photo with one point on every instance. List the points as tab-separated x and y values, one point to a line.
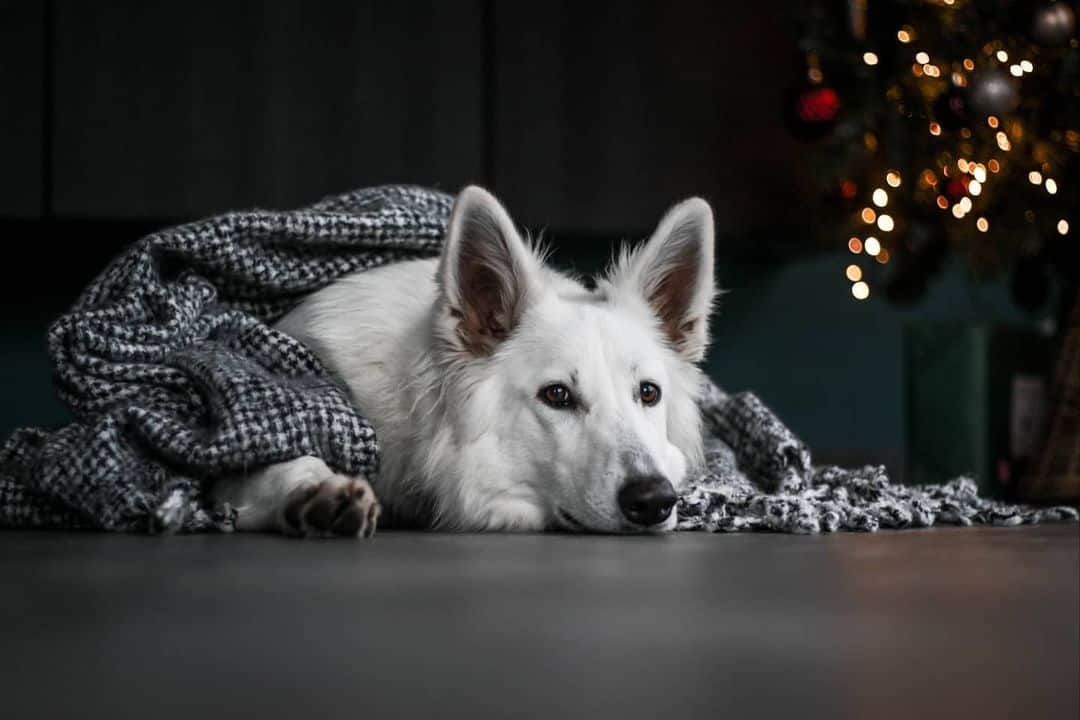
952	180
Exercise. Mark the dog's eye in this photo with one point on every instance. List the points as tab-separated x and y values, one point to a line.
649	393
556	395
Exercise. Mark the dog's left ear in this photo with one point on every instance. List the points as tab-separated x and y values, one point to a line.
487	272
674	273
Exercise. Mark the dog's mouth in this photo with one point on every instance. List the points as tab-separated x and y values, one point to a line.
568	523
565	522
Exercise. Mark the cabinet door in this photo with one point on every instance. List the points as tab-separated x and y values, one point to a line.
607	112
175	109
22	60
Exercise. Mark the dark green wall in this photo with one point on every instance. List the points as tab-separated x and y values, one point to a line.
831	366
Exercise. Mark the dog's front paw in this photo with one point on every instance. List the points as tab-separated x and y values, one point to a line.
337	506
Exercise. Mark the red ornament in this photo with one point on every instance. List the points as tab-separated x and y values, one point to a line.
956	188
818	105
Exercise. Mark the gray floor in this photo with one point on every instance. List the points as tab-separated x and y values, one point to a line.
964	623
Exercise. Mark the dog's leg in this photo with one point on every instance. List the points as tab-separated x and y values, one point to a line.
302	498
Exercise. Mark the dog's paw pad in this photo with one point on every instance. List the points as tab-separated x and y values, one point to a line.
341	506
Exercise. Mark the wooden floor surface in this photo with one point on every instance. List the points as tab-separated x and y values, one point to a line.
960	623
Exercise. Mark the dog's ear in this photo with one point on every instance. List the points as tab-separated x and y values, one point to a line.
487	272
673	271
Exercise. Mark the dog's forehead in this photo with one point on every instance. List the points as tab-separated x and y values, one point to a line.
587	332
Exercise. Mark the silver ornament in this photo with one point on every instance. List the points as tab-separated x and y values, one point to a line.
992	93
1054	24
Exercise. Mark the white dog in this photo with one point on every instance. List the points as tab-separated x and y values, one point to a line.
507	396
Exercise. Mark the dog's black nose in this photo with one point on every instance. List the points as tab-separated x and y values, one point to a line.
647	500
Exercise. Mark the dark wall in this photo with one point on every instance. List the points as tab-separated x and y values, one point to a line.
22	107
589	118
608	112
178	109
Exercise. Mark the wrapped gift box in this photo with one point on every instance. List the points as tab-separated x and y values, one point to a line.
976	400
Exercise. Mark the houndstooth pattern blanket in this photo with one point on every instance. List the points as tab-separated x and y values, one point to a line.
174	376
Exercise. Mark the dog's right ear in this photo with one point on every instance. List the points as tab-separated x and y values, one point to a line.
487	272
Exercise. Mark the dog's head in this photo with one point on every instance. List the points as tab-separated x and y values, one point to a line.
580	404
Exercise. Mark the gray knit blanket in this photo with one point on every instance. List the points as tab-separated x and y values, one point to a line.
174	376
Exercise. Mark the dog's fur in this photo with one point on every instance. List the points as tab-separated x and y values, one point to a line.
450	358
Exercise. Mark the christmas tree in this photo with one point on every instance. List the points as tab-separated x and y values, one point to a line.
948	127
